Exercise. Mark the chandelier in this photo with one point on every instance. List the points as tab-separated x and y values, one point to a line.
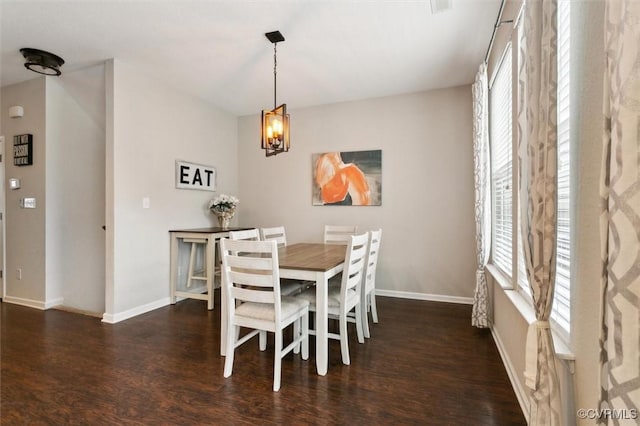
275	122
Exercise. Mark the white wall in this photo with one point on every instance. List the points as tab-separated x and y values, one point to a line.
25	228
149	127
75	105
427	188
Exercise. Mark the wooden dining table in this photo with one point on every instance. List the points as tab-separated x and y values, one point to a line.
308	262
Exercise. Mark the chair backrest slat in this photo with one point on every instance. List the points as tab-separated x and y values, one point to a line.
252	279
338	234
247	234
253	262
276	233
251	295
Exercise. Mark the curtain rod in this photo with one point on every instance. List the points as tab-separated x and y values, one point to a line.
495	29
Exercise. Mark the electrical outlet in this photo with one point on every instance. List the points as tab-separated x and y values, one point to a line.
19	273
179	270
28	203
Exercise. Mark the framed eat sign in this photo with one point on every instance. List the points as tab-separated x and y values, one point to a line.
23	150
195	176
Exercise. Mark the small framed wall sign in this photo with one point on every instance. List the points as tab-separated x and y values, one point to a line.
23	150
195	176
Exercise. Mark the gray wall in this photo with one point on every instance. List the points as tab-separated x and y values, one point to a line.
59	245
25	228
427	185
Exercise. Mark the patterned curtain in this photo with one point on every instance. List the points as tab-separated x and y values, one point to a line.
481	308
537	142
620	218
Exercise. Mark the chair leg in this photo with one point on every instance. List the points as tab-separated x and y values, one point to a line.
231	343
365	321
277	363
296	335
344	340
374	309
263	340
305	336
359	332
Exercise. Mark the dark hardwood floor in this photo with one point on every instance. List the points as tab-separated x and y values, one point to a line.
424	365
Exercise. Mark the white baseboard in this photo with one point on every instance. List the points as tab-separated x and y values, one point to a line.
424	296
521	394
55	302
138	310
37	304
121	316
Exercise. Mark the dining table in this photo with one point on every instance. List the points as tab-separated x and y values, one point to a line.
313	262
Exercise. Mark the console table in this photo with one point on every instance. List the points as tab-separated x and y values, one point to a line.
208	237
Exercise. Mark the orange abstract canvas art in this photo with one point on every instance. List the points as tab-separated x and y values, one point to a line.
348	178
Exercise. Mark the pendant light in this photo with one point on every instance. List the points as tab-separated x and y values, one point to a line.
275	122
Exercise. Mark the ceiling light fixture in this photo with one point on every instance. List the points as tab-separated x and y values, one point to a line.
275	123
42	62
438	6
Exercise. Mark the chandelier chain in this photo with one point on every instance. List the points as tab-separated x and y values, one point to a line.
275	66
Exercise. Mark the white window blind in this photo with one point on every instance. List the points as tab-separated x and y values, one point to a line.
561	312
501	164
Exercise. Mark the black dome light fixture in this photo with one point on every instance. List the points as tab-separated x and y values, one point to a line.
42	62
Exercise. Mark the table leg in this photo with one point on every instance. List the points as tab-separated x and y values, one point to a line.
173	268
223	316
211	268
322	324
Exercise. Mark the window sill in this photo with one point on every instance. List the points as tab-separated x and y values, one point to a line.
563	352
497	274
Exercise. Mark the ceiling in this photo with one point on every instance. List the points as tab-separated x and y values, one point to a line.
335	50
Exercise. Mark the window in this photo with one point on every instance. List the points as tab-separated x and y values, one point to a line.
561	312
501	164
506	244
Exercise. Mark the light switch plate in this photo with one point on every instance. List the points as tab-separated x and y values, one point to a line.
14	183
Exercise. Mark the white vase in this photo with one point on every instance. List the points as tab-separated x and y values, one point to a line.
224	218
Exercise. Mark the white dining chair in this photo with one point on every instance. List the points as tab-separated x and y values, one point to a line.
338	234
346	297
253	300
368	294
276	233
